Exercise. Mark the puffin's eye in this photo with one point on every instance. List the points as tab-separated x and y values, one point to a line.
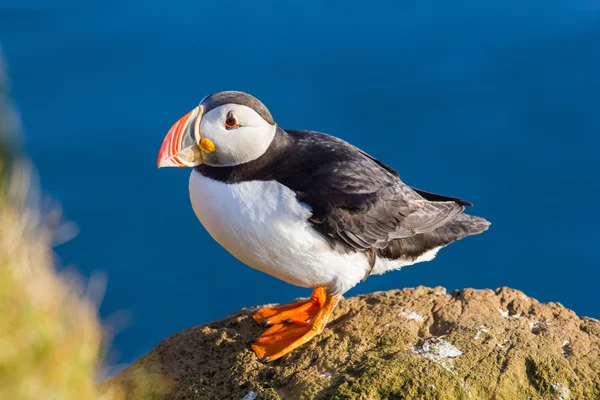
231	122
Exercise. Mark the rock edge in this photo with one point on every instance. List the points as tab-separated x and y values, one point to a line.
418	343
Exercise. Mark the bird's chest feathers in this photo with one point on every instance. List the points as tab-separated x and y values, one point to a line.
259	222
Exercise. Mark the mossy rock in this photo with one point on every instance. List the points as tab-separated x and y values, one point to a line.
416	343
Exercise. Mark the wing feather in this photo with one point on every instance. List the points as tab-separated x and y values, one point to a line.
428	216
357	200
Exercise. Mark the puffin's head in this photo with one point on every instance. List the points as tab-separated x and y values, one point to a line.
226	129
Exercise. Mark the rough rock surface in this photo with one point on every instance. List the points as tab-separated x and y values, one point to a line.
403	344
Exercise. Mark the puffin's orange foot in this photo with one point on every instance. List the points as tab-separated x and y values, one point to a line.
281	339
298	311
284	337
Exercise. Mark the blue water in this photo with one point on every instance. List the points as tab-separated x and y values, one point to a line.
495	102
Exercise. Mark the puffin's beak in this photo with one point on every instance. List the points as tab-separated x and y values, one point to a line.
183	145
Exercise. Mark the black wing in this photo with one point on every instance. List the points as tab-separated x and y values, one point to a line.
356	199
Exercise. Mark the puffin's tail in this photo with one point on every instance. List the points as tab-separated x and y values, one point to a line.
466	225
461	226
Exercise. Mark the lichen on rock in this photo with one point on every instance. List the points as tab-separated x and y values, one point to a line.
461	348
439	351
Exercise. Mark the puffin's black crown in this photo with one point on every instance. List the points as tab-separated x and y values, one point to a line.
244	99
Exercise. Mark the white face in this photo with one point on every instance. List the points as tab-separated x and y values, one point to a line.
236	143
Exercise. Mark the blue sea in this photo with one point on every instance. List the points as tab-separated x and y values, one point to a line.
496	102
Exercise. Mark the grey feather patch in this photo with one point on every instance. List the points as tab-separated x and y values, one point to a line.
372	256
427	216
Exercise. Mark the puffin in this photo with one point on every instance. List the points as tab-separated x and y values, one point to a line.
305	207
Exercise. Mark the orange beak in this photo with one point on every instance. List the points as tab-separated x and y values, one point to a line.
183	145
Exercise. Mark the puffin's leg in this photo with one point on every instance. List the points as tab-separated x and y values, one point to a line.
298	311
283	338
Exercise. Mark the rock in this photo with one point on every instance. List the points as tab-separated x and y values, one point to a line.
403	344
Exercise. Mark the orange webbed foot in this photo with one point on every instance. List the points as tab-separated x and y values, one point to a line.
293	328
298	311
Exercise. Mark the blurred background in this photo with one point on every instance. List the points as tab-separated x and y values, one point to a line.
495	102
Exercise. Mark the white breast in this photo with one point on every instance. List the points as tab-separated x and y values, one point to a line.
263	225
